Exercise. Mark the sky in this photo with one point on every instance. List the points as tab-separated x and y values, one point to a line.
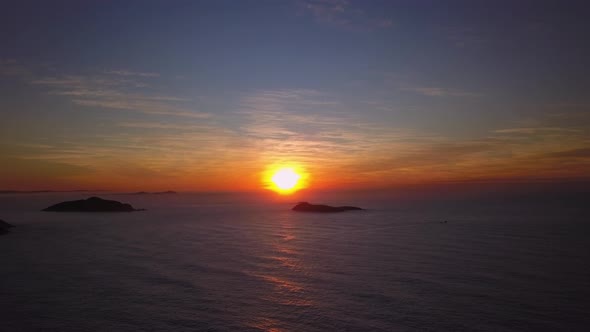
209	95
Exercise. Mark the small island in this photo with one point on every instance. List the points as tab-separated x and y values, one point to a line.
307	207
4	226
92	204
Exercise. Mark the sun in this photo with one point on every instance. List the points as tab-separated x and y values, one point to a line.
284	179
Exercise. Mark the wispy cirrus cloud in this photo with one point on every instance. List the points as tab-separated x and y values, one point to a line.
421	85
11	67
131	73
462	36
310	127
119	91
141	104
574	153
536	130
315	128
441	92
343	13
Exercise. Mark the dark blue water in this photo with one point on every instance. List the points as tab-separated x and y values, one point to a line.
246	263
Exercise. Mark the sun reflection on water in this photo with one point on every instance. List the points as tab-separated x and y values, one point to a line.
283	270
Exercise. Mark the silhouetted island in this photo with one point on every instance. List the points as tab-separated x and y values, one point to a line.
92	204
4	226
306	207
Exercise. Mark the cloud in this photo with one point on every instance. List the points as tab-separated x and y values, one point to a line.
575	153
21	169
440	92
284	113
131	73
386	81
309	128
343	13
11	67
536	130
462	36
118	92
151	151
313	128
139	104
160	125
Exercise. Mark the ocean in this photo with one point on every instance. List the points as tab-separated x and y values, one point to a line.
245	262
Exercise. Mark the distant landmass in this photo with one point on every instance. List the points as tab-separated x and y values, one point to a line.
307	207
48	191
4	226
92	204
151	193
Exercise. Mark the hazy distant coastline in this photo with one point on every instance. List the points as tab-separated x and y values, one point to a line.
169	192
48	191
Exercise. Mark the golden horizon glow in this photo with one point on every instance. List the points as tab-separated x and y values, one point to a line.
285	180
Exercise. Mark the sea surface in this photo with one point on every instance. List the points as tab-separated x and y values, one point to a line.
244	262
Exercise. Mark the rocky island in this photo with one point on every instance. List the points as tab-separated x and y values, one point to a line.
307	207
4	226
92	204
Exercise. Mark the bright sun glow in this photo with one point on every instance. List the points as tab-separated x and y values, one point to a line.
285	179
